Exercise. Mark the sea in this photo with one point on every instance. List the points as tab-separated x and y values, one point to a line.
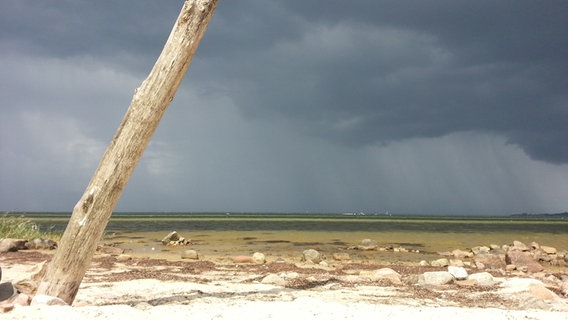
287	235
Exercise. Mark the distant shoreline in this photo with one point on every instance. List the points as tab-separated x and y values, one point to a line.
561	214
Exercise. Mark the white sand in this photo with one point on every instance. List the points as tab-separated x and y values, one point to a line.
301	308
238	295
153	299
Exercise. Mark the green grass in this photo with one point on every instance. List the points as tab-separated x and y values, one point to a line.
22	228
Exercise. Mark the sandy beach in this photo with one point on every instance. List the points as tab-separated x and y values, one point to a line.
143	288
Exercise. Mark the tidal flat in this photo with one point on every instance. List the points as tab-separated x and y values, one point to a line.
222	235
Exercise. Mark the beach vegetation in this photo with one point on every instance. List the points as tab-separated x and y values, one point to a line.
20	227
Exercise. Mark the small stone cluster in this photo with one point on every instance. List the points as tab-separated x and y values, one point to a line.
516	258
370	244
19	292
13	245
174	239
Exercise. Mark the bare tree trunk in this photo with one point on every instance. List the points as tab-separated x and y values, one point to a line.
94	209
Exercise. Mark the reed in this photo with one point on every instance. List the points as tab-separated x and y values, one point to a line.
20	227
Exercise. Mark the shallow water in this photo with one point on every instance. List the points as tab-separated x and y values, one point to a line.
287	235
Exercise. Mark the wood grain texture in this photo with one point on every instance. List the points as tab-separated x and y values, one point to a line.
93	211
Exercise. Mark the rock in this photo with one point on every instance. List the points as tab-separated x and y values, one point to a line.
482	278
113	251
510	267
540	255
7	291
384	273
519	246
22	299
123	258
424	263
190	254
12	245
5	307
436	278
440	263
367	244
45	300
480	250
495	247
41	244
273	279
242	259
539	291
490	260
522	261
171	237
456	263
458	272
311	255
460	254
548	250
532	288
341	256
174	239
564	287
258	258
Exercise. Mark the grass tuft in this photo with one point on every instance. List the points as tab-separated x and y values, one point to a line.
22	228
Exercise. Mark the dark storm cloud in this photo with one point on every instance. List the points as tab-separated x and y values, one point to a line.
375	72
359	72
130	33
407	106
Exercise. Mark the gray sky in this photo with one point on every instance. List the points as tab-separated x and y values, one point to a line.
431	107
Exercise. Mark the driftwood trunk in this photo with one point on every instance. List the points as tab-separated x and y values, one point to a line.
91	214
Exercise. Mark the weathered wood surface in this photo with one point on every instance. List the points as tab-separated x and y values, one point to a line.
94	209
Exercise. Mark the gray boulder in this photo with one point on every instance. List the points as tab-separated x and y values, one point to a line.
7	291
311	255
